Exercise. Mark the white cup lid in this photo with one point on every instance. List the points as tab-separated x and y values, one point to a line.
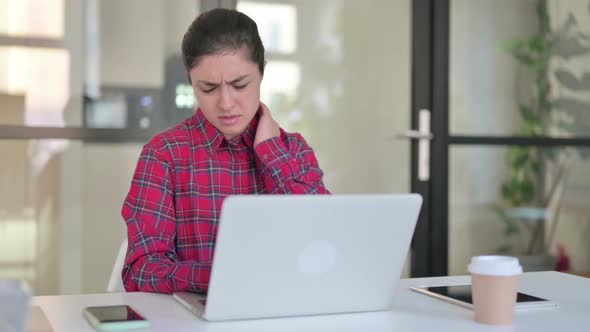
495	265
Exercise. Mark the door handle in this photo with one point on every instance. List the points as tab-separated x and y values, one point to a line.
415	134
424	136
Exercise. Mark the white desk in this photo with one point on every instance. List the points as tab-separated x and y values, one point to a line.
412	311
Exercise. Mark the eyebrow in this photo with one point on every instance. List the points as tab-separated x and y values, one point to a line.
234	81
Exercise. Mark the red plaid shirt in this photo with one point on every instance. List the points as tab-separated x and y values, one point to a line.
181	180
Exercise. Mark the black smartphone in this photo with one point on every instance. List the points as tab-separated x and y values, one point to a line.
115	318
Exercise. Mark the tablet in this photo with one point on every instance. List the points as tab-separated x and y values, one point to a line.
461	295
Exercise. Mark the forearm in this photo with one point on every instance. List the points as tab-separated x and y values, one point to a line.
157	273
286	178
285	173
152	263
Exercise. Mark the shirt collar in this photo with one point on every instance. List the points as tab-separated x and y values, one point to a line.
215	138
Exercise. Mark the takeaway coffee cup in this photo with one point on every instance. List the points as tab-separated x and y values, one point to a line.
494	281
15	299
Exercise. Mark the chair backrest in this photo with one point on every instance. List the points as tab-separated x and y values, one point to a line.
115	282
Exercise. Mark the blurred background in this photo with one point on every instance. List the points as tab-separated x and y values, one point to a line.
85	83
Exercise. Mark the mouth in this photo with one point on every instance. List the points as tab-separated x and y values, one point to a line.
229	120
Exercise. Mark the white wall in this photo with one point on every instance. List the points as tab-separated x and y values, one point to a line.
355	91
70	175
107	170
177	18
132	42
135	37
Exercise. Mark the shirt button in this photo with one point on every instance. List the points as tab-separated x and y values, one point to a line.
265	156
281	185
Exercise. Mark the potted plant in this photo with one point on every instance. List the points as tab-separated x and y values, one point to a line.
531	194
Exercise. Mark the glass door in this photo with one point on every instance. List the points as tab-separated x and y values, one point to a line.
513	87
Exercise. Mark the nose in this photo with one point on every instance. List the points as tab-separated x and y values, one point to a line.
226	98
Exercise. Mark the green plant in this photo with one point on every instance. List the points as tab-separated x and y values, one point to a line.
527	187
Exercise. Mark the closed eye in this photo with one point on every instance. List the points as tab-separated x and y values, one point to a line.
208	90
240	87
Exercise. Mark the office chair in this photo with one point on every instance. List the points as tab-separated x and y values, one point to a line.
115	282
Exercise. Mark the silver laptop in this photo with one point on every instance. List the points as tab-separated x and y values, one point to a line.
292	255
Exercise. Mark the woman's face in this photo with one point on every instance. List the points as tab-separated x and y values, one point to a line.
227	88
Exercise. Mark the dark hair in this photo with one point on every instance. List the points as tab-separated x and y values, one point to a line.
221	29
